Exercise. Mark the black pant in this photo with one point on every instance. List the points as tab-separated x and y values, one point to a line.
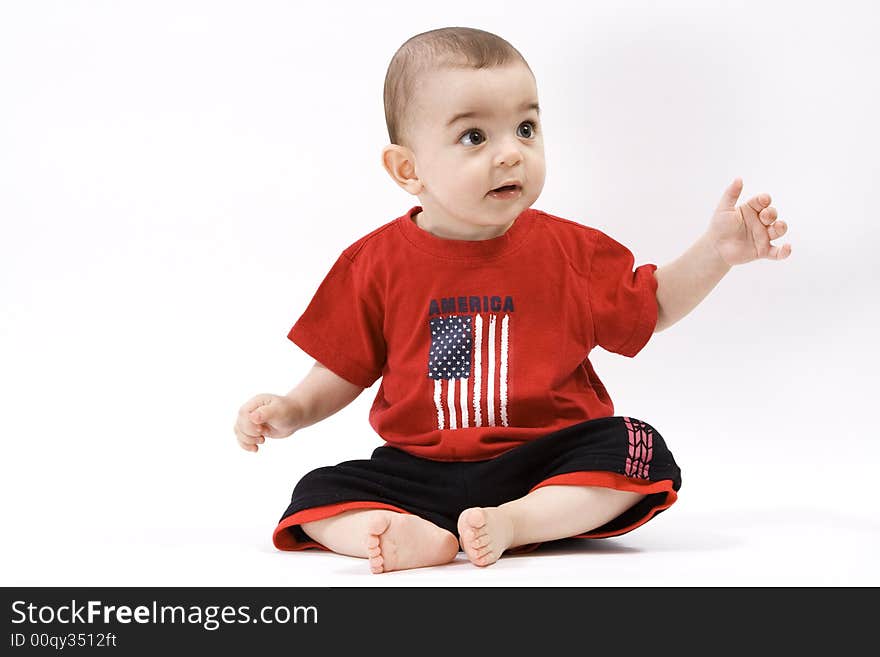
617	452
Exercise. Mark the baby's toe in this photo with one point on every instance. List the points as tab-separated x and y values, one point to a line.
474	518
485	559
480	541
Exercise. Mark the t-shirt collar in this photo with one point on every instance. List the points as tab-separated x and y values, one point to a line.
466	249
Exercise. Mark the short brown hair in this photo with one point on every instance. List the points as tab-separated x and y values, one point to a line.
450	47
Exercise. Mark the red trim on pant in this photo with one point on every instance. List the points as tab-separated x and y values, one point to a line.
285	540
609	480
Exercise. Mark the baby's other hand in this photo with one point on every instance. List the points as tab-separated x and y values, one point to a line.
742	233
266	415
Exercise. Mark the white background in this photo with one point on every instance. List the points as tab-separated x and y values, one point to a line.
176	178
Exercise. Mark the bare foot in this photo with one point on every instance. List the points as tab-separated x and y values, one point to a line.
397	541
486	532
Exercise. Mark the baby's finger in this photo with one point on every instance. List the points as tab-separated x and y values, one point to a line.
245	444
759	202
255	402
267	431
246	425
779	252
778	229
248	438
248	418
768	215
756	204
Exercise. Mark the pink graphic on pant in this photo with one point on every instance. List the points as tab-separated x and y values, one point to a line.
641	448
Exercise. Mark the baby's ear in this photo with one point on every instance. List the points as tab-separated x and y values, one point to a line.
399	162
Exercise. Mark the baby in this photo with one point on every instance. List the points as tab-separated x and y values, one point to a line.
479	312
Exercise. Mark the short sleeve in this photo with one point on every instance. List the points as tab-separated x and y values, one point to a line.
342	325
623	301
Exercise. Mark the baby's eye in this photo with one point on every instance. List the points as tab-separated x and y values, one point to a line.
531	129
472	131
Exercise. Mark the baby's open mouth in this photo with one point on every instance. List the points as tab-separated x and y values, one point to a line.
505	188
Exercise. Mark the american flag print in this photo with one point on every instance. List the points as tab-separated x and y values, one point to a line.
468	364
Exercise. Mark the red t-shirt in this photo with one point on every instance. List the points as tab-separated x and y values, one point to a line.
481	345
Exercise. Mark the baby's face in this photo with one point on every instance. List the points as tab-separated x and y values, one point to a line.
460	160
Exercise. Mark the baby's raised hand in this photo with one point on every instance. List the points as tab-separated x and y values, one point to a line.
266	415
742	233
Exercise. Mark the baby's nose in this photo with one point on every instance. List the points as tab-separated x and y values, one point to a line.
508	156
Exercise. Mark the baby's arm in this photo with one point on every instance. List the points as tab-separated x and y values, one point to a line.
321	394
318	396
684	283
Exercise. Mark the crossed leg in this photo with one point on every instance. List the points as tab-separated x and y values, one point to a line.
390	540
397	541
545	514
